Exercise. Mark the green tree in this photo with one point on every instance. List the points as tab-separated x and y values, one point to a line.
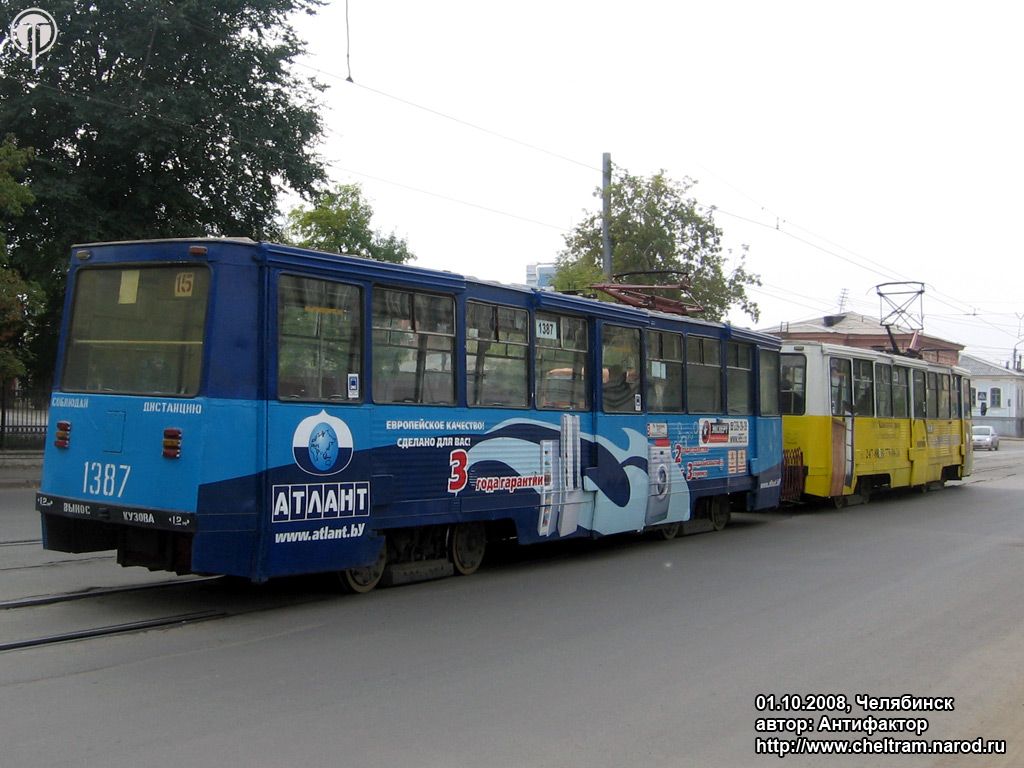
20	301
656	226
153	119
339	222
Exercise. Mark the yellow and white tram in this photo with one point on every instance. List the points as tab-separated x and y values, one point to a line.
856	420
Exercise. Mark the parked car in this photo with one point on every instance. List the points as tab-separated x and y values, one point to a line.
985	437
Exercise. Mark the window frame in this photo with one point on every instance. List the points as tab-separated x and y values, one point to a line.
884	408
68	342
358	344
658	356
630	391
496	309
699	366
421	347
769	388
919	393
901	384
585	384
863	398
787	397
836	393
736	376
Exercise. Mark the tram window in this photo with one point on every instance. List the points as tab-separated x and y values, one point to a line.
842	396
883	390
703	375
620	358
944	409
561	362
920	395
319	332
664	372
137	330
739	365
971	400
932	406
497	339
956	403
769	381
863	388
413	348
901	392
793	384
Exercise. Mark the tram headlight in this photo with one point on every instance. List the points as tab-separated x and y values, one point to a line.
172	443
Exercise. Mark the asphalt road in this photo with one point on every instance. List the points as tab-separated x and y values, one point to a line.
627	652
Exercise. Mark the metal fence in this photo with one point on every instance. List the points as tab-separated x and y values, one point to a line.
23	417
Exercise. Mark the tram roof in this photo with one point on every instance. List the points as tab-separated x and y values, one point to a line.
872	354
447	280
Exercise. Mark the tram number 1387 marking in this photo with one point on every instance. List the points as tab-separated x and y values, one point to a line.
105	479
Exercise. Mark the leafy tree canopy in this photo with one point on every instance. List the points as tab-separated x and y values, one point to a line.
153	119
339	222
655	226
20	301
14	193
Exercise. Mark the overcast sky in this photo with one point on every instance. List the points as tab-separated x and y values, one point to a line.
847	145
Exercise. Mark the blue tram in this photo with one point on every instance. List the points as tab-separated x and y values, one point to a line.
230	407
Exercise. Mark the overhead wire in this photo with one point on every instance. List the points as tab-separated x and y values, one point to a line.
861	261
448	198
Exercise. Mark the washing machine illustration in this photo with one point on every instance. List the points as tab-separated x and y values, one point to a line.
659	473
562	494
547	522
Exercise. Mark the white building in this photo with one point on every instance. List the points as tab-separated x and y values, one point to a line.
539	275
997	396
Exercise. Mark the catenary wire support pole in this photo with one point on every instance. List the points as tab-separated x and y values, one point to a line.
606	213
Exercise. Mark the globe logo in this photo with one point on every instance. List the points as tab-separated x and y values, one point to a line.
323	447
322	444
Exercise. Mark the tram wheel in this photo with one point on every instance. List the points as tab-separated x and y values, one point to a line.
669	531
720	514
467	543
362	580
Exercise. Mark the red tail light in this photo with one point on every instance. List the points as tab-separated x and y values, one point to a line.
63	439
172	443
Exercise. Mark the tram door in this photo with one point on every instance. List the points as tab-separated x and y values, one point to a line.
621	431
919	428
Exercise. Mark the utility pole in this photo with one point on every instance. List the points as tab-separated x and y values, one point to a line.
1015	363
606	213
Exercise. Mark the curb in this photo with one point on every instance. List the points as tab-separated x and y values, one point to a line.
15	484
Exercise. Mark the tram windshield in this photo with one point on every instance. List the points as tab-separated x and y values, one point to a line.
137	330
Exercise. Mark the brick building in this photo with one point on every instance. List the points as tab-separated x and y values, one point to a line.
855	330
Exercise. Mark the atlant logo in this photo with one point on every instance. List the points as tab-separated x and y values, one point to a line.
322	444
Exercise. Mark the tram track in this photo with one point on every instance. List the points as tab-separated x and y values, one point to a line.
27	638
64	597
51	563
114	629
